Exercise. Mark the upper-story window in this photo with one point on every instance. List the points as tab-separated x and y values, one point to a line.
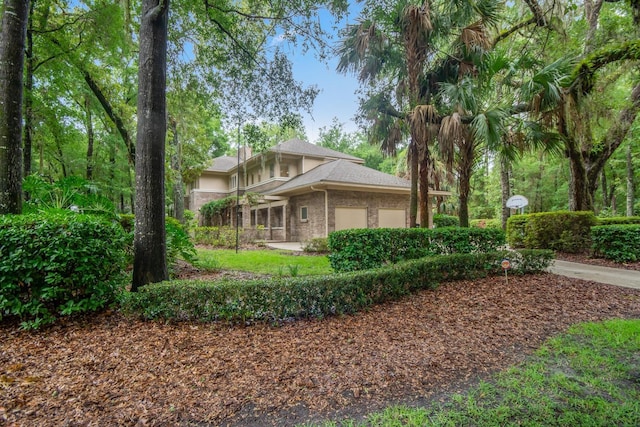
284	169
272	170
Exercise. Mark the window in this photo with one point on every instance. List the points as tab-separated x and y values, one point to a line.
284	170
232	181
304	214
272	171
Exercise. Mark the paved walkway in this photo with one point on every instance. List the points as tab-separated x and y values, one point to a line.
289	246
611	276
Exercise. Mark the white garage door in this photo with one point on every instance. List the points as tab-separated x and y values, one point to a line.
351	218
392	218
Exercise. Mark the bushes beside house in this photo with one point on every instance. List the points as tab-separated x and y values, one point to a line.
562	231
58	263
277	299
620	243
616	238
362	249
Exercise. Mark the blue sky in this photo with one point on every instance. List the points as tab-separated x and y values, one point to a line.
337	97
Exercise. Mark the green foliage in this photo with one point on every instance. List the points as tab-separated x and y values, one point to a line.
562	231
361	249
317	245
279	298
213	212
58	263
222	237
179	243
442	220
486	223
620	243
68	193
617	220
516	230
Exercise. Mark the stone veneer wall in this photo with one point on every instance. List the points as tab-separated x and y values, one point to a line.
197	198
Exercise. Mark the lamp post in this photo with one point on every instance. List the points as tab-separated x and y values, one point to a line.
238	194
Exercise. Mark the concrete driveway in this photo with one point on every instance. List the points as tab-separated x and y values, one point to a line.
610	276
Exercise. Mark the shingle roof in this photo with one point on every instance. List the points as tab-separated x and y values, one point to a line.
223	164
342	172
298	146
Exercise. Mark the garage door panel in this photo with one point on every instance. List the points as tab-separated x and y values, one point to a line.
392	218
351	218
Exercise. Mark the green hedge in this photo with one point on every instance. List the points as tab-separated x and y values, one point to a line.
562	231
276	299
619	220
363	249
442	220
620	243
58	263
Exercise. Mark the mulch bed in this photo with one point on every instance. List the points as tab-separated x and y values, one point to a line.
109	370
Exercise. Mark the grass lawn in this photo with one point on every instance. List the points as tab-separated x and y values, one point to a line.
273	262
587	377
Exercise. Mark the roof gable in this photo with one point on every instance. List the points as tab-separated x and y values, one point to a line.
223	164
342	172
303	148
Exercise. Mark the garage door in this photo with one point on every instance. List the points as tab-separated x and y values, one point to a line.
392	218
351	218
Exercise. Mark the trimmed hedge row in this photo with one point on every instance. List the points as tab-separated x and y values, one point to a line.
58	263
363	249
620	243
277	299
619	220
563	230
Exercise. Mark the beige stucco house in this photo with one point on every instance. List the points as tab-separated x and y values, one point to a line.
305	191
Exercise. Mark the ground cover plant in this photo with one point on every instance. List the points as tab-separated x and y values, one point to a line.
587	376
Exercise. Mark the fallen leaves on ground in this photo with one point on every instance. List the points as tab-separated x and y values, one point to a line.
115	371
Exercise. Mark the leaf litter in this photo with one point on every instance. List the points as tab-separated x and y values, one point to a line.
110	370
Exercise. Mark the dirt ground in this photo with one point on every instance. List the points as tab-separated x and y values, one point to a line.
109	370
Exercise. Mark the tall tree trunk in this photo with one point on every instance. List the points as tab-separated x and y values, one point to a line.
150	243
606	200
465	171
178	190
90	138
630	183
413	196
12	45
423	186
28	95
505	188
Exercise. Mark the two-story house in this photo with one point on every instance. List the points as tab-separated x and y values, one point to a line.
305	191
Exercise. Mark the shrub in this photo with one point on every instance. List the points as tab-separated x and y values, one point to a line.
318	245
442	220
562	231
516	230
618	220
58	263
224	237
179	243
275	299
620	243
361	249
